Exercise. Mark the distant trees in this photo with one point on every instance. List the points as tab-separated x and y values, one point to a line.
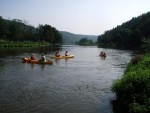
18	30
49	34
3	30
85	41
129	35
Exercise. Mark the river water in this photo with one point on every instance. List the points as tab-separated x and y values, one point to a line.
78	85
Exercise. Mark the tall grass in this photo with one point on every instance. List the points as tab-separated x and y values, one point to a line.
133	89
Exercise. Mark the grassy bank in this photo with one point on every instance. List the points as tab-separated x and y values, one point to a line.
133	89
10	44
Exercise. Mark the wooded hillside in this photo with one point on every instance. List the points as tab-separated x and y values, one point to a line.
18	30
133	34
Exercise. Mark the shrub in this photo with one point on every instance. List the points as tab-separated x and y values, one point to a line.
133	89
136	59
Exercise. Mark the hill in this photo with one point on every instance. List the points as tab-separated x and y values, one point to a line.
130	35
19	30
70	38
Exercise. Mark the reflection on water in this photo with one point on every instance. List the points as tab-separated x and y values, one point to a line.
78	85
17	51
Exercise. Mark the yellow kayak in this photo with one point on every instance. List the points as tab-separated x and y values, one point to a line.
63	57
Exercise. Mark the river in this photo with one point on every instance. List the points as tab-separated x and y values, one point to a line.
78	85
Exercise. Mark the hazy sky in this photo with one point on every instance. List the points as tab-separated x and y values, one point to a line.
77	16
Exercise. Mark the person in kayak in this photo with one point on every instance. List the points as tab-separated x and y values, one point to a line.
102	54
66	53
43	58
57	54
32	57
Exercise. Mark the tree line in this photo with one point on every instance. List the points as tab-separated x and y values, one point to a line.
85	42
19	30
133	34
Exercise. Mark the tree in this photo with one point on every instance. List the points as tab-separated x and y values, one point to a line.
129	35
85	41
3	30
18	30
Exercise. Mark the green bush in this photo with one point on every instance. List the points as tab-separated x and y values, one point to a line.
136	59
133	89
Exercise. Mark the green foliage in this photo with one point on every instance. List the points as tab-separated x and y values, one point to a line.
50	34
129	35
3	31
85	42
18	30
137	108
133	89
146	44
135	60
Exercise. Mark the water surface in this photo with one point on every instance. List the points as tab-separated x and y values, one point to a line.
78	85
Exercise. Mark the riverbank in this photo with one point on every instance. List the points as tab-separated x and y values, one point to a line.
133	89
10	44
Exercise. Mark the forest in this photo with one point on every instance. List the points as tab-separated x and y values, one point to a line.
132	35
19	30
85	42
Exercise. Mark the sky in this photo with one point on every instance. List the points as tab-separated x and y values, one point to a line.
90	17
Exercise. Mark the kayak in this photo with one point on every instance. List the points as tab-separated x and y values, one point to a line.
63	57
28	60
101	55
41	62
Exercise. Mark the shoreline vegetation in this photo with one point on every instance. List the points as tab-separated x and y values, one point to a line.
133	88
